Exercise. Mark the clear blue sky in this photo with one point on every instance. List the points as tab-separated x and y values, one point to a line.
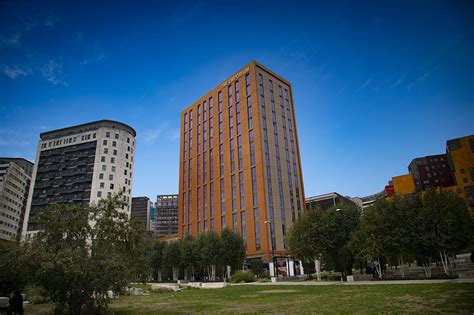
375	84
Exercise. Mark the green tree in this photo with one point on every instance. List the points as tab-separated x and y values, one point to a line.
172	257
233	250
449	224
257	267
157	261
81	253
308	239
189	255
367	242
210	247
11	276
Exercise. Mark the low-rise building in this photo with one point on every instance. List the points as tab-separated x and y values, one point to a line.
327	201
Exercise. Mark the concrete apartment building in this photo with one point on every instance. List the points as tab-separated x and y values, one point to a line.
240	163
166	216
431	172
460	153
15	179
452	171
327	201
141	211
81	164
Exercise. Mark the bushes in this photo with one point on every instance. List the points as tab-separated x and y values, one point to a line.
243	276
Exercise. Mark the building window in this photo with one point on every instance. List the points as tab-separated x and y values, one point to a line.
256	219
114	143
112	160
107	134
102	185
101	176
453	144
254	186
99	194
219	100
102	158
115	152
106	151
229	91
104	142
249	111
252	148
113	168
104	168
111	177
221	160
111	186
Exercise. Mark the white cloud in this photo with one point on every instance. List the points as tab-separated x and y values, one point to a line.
53	72
14	71
173	134
93	58
12	40
150	136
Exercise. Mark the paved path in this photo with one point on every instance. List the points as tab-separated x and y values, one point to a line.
470	280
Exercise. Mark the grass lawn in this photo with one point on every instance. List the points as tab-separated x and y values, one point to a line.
399	298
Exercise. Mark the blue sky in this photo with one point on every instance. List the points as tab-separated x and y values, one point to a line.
375	84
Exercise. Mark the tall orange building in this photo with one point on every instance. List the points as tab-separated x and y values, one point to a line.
240	164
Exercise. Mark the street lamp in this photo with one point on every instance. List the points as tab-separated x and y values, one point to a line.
271	240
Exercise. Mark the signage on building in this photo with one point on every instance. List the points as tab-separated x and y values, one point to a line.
235	77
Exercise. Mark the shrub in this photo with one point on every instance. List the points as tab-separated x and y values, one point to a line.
243	276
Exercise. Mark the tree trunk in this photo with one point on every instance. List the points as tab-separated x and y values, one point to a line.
402	266
427	268
159	275
445	261
379	268
213	272
317	267
192	274
175	273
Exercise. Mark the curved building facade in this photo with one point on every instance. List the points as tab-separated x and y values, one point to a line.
81	164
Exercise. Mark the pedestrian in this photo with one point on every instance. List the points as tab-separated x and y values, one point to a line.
15	304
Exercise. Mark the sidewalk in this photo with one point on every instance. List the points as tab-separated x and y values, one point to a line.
470	280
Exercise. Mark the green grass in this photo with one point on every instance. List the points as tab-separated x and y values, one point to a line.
416	298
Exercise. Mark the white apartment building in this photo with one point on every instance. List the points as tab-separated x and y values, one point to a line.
15	178
81	164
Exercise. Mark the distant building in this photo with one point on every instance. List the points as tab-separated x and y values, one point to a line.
152	218
327	201
141	208
431	172
460	152
80	164
452	171
15	179
166	215
367	201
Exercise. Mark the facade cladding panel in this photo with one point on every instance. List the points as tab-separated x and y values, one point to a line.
81	164
240	163
431	172
166	215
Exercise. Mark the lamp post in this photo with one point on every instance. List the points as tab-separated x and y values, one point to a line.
269	223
